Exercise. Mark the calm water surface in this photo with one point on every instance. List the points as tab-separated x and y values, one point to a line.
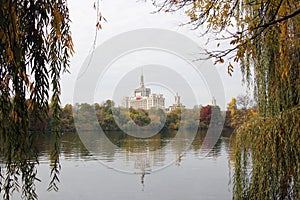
152	168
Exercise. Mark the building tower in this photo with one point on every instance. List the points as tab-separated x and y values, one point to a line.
142	80
143	98
142	91
177	99
213	101
176	104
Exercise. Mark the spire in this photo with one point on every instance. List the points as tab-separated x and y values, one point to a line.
177	99
142	79
214	102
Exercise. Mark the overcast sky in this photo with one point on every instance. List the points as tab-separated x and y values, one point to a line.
123	16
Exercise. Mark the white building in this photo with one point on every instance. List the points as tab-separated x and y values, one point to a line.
143	98
214	102
176	104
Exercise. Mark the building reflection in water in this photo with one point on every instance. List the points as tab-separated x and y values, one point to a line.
133	155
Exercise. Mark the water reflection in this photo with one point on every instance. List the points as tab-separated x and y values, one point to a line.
142	154
187	173
70	148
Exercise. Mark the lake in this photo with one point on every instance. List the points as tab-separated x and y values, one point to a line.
134	168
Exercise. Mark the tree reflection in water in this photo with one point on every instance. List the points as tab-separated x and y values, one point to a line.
19	170
19	159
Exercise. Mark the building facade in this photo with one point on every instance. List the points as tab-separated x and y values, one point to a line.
143	98
176	104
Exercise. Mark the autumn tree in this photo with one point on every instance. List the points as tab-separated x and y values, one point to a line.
66	118
190	118
210	115
262	35
139	116
231	113
35	47
173	119
239	110
205	115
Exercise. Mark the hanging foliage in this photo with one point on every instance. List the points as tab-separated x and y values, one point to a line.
267	161
35	47
263	37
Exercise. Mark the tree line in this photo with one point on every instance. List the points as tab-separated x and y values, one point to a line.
111	118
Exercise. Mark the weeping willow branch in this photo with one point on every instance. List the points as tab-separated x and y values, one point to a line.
35	49
284	18
267	165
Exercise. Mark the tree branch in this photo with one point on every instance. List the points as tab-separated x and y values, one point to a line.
286	17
